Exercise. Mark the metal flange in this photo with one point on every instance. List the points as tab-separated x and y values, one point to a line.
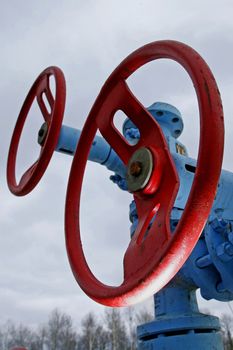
139	169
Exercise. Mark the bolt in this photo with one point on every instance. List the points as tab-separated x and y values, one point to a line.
135	168
42	133
139	169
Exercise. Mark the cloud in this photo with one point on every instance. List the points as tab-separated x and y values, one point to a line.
88	40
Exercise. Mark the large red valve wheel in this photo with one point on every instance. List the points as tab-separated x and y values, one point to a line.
153	257
53	119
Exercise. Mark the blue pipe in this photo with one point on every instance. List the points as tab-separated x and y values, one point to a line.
100	152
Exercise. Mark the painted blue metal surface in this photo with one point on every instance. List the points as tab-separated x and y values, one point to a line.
170	121
178	322
100	151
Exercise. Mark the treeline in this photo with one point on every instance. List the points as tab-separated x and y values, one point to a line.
115	330
227	326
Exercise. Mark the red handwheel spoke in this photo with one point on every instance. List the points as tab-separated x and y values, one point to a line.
117	142
120	97
152	232
49	96
26	177
104	120
135	255
132	107
44	91
43	108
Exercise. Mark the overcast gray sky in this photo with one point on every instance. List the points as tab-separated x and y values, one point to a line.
87	40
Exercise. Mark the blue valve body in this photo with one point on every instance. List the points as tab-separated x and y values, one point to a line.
178	324
213	254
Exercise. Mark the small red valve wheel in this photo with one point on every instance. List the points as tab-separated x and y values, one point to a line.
52	126
154	254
